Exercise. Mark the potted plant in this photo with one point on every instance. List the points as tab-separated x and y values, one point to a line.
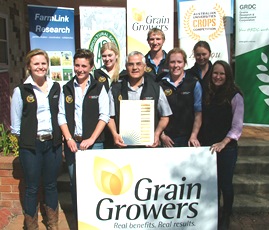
8	142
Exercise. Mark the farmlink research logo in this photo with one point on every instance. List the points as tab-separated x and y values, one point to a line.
96	43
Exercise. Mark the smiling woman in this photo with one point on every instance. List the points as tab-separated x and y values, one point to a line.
35	102
184	95
223	112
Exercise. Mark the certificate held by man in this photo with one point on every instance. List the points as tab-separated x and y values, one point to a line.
136	123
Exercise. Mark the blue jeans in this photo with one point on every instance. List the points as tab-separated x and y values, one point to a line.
71	163
226	160
42	163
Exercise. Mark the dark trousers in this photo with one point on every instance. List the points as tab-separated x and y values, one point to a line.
181	141
71	163
43	163
226	160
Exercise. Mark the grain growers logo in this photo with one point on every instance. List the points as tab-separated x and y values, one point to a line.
263	76
210	23
138	14
111	179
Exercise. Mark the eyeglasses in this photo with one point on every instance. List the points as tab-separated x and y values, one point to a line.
132	65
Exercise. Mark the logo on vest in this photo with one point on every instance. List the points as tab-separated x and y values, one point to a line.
102	79
120	97
69	99
148	69
30	98
93	97
168	92
186	93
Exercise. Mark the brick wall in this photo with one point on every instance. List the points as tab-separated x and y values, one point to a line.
11	184
4	99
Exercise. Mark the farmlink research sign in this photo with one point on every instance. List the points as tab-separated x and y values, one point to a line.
147	188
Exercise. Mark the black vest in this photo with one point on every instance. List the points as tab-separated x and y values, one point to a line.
195	72
102	77
162	70
217	121
150	91
181	101
90	110
28	129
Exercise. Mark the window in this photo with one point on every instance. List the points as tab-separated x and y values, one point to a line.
3	41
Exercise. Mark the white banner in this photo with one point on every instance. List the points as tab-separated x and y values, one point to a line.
99	25
147	188
143	15
210	22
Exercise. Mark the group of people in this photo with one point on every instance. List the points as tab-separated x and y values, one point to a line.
200	106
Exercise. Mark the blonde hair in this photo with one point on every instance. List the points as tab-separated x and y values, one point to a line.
31	54
112	46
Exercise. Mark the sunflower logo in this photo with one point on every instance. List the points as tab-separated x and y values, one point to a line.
263	76
111	179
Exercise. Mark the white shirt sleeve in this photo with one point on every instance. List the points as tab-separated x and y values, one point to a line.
16	111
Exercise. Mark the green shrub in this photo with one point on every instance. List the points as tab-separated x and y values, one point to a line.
8	142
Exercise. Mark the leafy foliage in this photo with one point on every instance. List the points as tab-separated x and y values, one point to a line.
8	142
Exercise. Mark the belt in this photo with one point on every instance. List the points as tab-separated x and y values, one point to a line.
78	138
44	137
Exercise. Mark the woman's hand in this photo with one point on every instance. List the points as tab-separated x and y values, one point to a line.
217	147
193	142
72	145
167	141
85	144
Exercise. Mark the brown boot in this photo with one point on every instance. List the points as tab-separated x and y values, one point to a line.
52	218
31	223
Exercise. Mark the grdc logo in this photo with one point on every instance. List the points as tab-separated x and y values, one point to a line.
248	7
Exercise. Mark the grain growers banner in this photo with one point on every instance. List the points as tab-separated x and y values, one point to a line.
251	63
143	15
159	188
99	25
211	22
52	29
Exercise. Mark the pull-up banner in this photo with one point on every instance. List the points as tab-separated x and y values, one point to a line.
251	62
52	29
147	188
210	21
143	15
99	25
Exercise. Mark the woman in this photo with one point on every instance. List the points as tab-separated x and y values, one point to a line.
34	110
184	94
223	110
110	71
203	65
83	114
108	74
